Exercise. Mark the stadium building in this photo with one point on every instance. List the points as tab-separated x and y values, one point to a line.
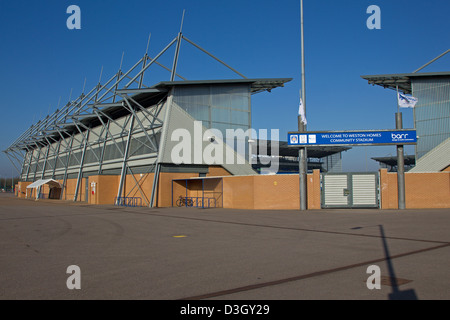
122	141
129	143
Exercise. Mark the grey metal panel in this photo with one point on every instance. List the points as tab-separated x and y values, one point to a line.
184	168
333	188
111	172
435	160
143	169
180	119
350	190
364	190
73	175
333	163
90	173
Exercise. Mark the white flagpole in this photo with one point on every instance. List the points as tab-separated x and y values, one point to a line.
303	94
400	160
303	162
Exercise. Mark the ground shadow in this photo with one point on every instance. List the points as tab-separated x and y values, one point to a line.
396	293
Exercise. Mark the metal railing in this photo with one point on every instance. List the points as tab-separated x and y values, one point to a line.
199	202
128	201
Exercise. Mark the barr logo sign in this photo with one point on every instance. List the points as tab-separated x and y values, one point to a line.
399	136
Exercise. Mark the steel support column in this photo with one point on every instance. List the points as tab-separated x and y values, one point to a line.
56	159
102	155
155	185
38	191
37	163
29	163
80	172
125	157
69	153
45	162
161	151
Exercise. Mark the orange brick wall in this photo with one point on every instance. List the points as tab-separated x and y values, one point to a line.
22	188
145	182
165	186
70	187
238	192
422	190
179	189
278	192
313	191
105	189
388	190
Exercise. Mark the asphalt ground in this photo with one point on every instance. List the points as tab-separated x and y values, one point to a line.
220	254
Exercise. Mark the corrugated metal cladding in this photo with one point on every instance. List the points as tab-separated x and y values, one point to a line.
334	186
364	190
432	112
350	190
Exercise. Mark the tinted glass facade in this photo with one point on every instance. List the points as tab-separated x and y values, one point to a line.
432	112
217	106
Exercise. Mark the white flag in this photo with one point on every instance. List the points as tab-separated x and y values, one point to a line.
405	101
301	112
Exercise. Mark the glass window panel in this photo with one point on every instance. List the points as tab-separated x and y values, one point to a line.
192	95
199	112
220	115
222	127
235	97
238	117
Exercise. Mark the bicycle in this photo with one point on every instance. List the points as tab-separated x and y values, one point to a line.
182	201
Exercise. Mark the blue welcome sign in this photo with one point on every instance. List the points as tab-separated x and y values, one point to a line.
352	138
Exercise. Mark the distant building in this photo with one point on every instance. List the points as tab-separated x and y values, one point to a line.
326	159
390	163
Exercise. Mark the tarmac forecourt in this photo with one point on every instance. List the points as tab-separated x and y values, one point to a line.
220	254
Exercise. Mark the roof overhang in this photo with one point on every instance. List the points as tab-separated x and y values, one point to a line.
392	161
402	80
256	85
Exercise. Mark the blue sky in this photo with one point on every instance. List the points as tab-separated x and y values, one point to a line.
42	61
